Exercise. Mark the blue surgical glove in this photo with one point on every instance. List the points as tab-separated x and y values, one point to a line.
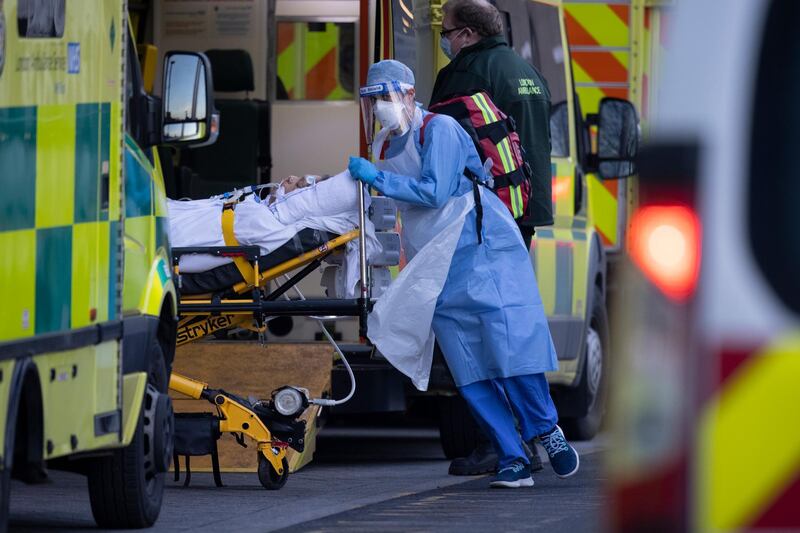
363	170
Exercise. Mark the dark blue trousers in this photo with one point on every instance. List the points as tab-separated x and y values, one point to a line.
494	404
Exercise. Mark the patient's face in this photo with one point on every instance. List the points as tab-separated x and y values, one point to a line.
293	182
297	182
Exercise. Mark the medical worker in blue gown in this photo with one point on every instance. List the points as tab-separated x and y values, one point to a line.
488	318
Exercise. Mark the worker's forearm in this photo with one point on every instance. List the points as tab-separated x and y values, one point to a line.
423	192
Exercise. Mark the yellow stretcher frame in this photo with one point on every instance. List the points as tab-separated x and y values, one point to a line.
234	417
191	329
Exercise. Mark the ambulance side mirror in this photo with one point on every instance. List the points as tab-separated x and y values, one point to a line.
189	117
617	138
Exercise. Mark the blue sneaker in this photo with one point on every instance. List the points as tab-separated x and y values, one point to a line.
514	476
563	457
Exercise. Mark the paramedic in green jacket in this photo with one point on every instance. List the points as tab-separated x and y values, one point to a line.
480	59
472	37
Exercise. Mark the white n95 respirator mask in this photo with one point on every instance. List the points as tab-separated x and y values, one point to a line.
389	114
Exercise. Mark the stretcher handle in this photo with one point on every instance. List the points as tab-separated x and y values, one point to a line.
362	257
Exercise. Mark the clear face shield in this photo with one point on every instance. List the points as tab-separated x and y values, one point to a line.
385	109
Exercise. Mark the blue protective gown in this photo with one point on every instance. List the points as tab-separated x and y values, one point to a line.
489	319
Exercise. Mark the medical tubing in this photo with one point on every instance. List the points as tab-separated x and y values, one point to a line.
236	193
324	401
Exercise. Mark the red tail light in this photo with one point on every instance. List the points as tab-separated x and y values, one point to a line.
665	244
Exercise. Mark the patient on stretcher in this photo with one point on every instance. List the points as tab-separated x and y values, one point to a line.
300	215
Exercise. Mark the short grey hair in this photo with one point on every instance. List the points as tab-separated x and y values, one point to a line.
479	15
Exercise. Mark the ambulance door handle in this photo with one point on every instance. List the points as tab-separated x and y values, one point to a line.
578	190
104	186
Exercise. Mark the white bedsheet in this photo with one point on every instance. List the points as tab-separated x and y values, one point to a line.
330	205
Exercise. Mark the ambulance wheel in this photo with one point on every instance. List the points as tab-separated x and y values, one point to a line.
457	429
8	457
593	382
269	478
126	488
5	495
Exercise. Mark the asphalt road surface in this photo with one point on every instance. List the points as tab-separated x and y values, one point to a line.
361	480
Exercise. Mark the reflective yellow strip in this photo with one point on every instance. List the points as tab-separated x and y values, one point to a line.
750	423
485	105
504	158
505	150
521	201
487	113
516	201
489	117
512	196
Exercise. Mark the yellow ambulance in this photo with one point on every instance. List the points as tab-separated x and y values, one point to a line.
87	323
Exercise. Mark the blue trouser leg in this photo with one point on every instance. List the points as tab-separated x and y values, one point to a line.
489	406
530	400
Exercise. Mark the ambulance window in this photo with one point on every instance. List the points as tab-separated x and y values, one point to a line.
547	49
405	43
533	30
774	185
40	18
559	130
548	56
315	60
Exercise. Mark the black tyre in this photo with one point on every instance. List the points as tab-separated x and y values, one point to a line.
126	488
8	456
594	378
269	478
5	493
457	429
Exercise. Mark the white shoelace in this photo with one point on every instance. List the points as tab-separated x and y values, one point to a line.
516	467
555	443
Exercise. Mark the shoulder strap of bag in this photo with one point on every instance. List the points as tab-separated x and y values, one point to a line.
476	194
427	118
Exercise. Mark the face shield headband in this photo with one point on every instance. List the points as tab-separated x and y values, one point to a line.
384	106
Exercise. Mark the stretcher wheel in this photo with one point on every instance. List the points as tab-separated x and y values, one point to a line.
267	475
